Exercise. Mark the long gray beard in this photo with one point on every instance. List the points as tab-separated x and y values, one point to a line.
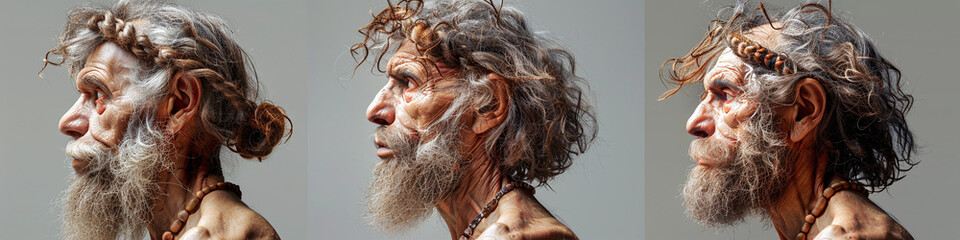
404	189
113	198
750	176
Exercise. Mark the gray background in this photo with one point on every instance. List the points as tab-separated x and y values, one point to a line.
918	36
599	197
34	170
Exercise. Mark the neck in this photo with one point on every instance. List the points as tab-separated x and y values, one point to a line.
179	186
805	185
478	186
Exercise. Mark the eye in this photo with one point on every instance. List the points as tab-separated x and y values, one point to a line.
726	95
403	82
721	96
99	103
409	83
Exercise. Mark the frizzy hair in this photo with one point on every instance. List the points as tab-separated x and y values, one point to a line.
549	121
169	39
864	129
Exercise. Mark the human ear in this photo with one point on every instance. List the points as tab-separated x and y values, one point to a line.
182	102
808	108
493	114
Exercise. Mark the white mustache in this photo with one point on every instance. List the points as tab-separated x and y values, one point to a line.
712	149
83	152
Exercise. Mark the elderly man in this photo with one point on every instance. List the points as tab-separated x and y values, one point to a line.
162	88
800	119
475	106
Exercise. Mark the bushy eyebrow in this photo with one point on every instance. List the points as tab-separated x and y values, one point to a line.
98	84
722	82
403	73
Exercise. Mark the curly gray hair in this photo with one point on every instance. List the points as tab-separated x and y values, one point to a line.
549	120
864	127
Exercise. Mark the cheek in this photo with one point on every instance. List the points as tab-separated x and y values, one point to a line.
110	126
422	109
731	115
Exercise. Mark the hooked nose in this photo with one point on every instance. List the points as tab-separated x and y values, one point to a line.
701	123
74	123
381	110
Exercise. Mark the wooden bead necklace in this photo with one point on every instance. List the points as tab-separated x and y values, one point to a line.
492	205
194	204
821	205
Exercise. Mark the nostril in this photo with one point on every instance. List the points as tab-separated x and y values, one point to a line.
699	133
380	121
72	133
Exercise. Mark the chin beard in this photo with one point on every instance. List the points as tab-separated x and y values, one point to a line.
404	189
749	177
113	197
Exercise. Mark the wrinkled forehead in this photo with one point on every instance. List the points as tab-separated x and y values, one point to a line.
119	62
406	53
729	67
409	54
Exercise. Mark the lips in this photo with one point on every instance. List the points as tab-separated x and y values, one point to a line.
79	165
706	162
83	152
383	151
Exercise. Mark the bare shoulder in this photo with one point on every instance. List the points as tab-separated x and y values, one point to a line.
864	226
856	217
835	232
537	229
232	221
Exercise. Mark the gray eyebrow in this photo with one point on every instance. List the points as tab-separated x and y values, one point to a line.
723	82
405	74
98	84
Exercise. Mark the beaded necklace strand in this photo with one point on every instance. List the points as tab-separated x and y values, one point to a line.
492	205
194	204
821	205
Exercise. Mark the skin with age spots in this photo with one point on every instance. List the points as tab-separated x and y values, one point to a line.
720	110
417	93
100	117
849	215
410	97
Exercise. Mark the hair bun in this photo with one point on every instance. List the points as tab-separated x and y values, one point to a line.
262	132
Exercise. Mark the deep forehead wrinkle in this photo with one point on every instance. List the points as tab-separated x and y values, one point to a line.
406	68
402	58
729	67
405	60
119	63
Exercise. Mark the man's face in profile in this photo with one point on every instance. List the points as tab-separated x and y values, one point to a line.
98	120
116	163
738	149
418	145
